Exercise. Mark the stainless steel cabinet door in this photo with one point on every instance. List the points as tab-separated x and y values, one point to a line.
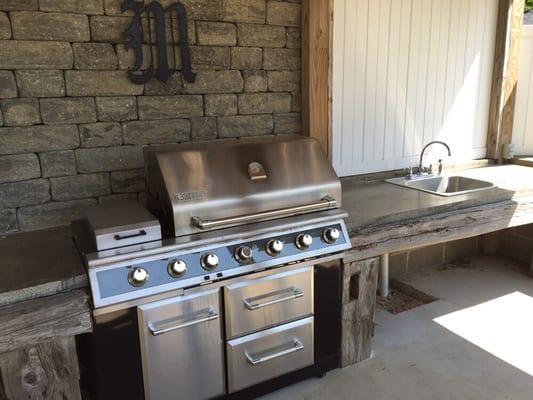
269	301
181	347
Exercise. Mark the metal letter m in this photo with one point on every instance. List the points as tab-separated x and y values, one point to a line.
134	36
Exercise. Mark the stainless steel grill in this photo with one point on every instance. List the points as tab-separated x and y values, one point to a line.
244	224
204	186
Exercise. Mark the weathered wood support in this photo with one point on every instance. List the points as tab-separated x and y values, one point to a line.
373	241
38	358
48	370
360	279
317	20
504	76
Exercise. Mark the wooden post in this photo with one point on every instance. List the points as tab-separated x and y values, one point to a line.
360	280
48	370
317	16
504	77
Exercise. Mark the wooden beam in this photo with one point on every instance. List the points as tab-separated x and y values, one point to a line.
317	21
30	322
375	240
504	76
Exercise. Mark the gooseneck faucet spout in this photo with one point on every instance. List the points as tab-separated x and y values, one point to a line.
420	166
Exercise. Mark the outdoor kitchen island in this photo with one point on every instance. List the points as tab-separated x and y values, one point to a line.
35	284
239	281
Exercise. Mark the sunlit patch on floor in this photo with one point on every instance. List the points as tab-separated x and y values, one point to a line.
502	326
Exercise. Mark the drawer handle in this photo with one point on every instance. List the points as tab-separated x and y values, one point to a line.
297	345
141	232
294	294
154	330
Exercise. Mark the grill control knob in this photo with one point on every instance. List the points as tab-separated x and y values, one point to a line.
209	261
331	235
274	247
303	241
138	276
177	268
243	254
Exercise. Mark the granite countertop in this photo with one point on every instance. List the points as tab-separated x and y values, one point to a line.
41	263
379	203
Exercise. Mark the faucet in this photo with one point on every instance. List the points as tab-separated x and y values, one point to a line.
421	167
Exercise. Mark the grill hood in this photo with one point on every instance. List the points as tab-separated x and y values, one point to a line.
211	185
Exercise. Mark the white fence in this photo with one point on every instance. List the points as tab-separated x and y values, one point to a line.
523	119
406	72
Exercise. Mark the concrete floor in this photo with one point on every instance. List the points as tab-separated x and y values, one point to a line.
484	352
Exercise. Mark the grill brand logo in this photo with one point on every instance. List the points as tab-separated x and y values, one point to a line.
190	196
155	18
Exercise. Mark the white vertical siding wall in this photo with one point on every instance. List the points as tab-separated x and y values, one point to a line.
406	72
523	118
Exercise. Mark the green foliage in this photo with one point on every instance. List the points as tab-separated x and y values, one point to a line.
529	5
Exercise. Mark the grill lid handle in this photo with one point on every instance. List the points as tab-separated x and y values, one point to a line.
325	204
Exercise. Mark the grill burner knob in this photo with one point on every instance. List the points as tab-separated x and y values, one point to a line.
303	241
177	268
274	247
331	235
209	261
138	276
243	254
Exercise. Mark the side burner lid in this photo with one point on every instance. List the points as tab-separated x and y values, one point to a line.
121	223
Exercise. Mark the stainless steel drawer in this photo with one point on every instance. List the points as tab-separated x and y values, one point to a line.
270	353
261	303
182	347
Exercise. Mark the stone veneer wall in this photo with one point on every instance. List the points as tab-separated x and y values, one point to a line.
72	126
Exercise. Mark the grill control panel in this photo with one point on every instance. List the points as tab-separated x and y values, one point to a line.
130	280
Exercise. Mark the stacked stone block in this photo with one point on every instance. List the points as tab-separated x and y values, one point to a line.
73	127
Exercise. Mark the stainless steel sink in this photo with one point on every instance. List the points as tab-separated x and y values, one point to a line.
442	185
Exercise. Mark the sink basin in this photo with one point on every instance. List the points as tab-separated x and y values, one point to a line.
443	185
